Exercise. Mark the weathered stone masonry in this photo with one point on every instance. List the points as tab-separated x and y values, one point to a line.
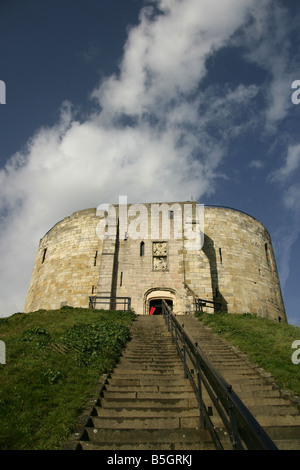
236	265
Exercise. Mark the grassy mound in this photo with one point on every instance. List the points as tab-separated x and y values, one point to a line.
53	361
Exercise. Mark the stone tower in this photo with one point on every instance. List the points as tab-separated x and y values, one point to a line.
147	252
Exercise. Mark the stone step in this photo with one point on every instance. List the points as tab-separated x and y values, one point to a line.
147	388
148	446
278	420
283	432
152	349
259	394
287	444
165	380
150	359
249	383
148	395
167	422
166	439
144	403
150	364
149	343
140	372
146	412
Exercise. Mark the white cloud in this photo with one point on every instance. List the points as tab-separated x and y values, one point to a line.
165	59
268	45
291	164
286	179
284	241
258	164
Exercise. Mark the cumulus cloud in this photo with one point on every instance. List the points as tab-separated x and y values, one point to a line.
287	179
155	134
267	45
291	164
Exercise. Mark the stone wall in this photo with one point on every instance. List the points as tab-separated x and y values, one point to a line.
236	265
66	269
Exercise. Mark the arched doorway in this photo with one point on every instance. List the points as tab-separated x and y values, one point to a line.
155	306
153	300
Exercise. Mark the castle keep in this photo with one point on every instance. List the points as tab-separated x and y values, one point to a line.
144	253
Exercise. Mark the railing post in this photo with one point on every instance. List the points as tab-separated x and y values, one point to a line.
200	401
172	326
235	436
184	352
176	340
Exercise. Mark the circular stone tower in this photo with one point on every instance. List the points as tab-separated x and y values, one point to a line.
234	267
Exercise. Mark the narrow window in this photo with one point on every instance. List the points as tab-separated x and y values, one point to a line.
267	254
171	214
142	249
121	279
220	253
44	255
95	258
125	236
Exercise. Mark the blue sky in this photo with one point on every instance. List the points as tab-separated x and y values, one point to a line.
159	100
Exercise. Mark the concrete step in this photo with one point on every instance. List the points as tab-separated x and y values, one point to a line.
152	388
165	380
283	432
145	402
184	445
146	412
149	360
119	370
148	394
162	439
167	422
149	365
287	444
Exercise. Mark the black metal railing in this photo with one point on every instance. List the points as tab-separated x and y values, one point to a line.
244	431
113	303
200	303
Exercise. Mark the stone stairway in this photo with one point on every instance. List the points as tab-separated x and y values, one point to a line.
277	413
146	403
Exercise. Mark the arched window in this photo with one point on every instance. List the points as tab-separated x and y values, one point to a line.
142	249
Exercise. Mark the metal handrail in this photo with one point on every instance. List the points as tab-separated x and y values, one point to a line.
112	301
241	425
200	303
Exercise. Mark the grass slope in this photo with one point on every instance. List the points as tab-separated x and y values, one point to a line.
266	343
53	361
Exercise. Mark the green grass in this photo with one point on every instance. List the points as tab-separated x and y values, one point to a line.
266	343
53	362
